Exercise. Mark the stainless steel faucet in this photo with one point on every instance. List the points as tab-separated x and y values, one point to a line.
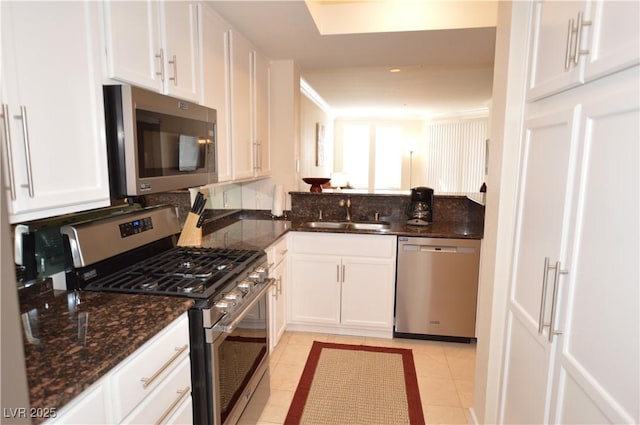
347	206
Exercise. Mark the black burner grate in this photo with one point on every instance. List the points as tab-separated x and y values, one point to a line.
181	271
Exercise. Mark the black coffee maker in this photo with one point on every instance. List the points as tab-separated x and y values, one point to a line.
420	208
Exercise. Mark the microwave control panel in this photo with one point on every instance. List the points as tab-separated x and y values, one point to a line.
135	226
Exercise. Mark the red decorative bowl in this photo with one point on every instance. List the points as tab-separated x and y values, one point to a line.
316	182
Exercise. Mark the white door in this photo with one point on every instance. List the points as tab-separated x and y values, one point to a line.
215	83
315	289
180	32
54	110
278	303
615	37
133	43
241	126
367	293
551	69
542	214
261	115
598	358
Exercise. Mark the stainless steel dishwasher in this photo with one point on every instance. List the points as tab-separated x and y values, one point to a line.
437	288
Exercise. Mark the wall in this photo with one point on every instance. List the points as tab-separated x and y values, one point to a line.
497	247
13	392
312	114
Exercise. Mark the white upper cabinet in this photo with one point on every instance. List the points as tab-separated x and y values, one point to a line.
214	52
578	41
262	152
249	110
241	98
154	45
53	140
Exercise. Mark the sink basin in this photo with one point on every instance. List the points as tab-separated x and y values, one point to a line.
347	225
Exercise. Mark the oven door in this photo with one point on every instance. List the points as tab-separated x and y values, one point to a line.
238	352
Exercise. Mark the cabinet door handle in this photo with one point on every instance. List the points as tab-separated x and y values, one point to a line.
543	297
343	273
556	284
279	287
160	57
338	273
284	251
27	149
174	62
181	395
581	23
567	52
179	350
8	150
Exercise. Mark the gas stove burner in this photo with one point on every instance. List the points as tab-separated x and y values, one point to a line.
190	288
188	265
223	266
194	275
149	285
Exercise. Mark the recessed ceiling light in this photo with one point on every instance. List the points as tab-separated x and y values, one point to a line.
394	70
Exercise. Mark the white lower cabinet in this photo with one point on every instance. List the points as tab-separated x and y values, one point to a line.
89	408
277	259
152	385
342	283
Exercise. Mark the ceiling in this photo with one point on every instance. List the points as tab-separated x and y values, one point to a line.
443	72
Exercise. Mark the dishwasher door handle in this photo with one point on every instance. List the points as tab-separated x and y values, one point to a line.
438	249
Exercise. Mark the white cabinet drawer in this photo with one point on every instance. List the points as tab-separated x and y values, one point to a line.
164	401
87	408
145	369
372	246
183	414
277	251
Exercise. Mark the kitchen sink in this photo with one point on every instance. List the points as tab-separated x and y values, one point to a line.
347	225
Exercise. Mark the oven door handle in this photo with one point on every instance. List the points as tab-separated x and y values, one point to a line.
230	327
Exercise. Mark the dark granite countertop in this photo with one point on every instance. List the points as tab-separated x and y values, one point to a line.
449	230
247	234
71	339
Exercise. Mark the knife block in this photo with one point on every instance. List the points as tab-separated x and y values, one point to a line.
191	235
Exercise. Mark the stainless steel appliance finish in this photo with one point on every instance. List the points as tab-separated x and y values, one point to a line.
147	225
237	347
228	324
437	288
157	143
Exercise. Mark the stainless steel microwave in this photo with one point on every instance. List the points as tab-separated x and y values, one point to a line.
157	143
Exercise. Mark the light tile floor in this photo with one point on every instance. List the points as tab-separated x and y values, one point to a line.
445	377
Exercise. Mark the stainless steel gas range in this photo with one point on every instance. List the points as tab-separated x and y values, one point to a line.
135	252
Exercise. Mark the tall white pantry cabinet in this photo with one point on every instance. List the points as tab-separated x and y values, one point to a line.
572	338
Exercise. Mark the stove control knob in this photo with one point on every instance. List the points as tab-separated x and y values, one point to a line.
245	285
233	296
262	271
224	304
256	277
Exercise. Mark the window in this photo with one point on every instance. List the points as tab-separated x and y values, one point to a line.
372	156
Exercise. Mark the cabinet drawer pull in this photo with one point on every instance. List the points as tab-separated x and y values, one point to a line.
147	381
181	395
581	23
160	57
567	52
556	284
27	148
543	297
284	251
8	150
174	62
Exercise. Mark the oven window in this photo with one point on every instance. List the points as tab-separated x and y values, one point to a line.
239	356
169	145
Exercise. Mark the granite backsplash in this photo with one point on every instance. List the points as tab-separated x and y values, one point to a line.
306	206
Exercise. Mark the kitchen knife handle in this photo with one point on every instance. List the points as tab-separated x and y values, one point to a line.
200	221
